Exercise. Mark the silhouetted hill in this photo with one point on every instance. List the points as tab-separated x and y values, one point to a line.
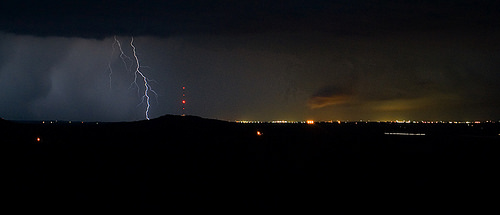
191	164
4	122
187	118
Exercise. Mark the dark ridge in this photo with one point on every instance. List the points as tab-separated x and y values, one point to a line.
187	119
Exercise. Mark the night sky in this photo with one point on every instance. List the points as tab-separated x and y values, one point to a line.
252	60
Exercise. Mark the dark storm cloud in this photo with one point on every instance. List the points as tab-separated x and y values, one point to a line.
98	19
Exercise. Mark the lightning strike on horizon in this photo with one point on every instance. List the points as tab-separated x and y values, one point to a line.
128	68
147	87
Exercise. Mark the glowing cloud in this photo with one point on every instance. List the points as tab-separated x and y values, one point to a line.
324	101
328	96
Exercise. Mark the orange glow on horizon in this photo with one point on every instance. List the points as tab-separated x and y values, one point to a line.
310	122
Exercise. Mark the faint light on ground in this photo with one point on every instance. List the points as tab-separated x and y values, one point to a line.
259	133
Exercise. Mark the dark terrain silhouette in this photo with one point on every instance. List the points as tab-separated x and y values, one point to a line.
191	164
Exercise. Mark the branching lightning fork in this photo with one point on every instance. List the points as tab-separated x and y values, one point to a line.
137	72
123	56
147	87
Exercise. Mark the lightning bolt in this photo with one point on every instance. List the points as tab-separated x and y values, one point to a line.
147	87
109	63
110	74
123	56
128	67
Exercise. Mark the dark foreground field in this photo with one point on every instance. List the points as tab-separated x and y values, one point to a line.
186	164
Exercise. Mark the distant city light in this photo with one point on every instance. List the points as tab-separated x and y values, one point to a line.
38	139
259	133
365	121
246	121
404	134
280	121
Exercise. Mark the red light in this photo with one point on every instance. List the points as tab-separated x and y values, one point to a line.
38	139
183	101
